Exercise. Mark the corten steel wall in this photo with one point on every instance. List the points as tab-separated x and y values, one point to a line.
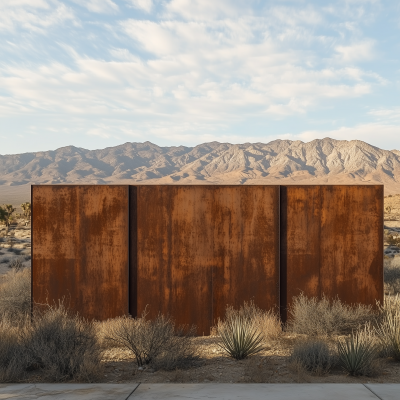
332	243
80	242
190	250
200	248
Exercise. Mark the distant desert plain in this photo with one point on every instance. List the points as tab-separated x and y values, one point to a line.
321	161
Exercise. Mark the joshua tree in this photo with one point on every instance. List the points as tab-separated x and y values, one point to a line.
3	214
8	211
27	211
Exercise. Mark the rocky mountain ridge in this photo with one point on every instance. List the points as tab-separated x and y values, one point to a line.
280	161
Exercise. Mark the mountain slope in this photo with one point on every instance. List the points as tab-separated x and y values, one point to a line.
280	161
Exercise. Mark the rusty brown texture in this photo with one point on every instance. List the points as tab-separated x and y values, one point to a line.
332	243
246	247
200	248
80	241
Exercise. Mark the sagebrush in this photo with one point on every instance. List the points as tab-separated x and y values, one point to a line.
63	346
325	317
157	342
15	294
313	356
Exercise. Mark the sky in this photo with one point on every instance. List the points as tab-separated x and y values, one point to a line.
99	73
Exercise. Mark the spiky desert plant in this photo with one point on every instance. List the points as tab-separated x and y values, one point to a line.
358	353
240	337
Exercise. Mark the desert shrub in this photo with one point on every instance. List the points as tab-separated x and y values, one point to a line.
265	322
63	346
240	337
17	264
388	331
358	354
15	294
153	341
391	276
325	317
313	356
13	358
15	250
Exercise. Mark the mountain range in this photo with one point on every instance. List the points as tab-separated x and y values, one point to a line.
321	161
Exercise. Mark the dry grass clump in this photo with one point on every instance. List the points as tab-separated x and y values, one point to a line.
63	346
15	294
13	358
313	356
325	317
58	345
267	323
157	342
391	276
388	331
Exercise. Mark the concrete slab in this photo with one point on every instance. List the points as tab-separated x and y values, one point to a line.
385	391
253	391
67	391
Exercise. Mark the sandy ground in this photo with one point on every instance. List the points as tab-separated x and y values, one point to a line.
270	366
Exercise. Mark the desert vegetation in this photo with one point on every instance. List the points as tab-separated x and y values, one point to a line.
323	340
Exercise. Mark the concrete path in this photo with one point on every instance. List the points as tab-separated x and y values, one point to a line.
222	391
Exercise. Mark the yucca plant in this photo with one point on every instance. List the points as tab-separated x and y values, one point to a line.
389	333
357	354
240	337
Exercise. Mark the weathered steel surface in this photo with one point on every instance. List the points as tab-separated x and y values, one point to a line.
352	243
175	253
80	248
246	247
203	247
332	243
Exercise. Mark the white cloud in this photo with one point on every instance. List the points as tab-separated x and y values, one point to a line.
386	114
374	133
36	16
194	68
361	51
98	6
207	9
144	5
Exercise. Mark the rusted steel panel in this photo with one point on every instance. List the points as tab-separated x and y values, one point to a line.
203	247
246	247
332	243
300	242
352	243
80	241
175	253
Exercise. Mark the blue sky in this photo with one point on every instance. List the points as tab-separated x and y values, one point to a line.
98	73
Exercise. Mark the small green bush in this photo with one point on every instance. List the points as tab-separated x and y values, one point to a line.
313	356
